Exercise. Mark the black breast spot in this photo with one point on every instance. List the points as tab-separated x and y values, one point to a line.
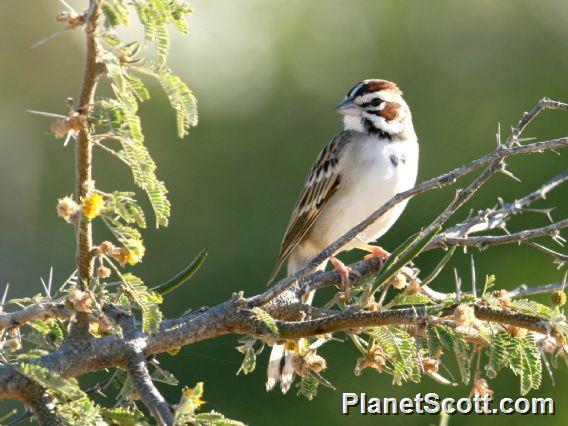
394	160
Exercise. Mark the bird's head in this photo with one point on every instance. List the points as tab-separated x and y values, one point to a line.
376	106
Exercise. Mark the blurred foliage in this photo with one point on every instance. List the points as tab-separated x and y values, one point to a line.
268	75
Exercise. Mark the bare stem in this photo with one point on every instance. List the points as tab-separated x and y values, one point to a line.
83	159
84	147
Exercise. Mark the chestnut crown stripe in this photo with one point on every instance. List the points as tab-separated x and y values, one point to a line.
371	86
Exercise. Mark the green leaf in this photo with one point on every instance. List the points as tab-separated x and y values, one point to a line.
413	248
502	344
147	300
164	376
124	125
115	13
215	419
400	350
191	400
81	412
247	349
49	329
489	282
180	96
125	207
433	341
184	275
461	349
308	387
525	361
179	8
268	321
66	388
31	355
123	416
154	15
410	299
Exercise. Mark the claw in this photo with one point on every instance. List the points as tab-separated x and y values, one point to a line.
344	272
376	251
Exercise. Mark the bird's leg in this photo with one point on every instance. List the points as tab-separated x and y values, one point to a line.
344	272
376	251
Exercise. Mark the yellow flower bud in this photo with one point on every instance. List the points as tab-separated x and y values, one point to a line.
93	205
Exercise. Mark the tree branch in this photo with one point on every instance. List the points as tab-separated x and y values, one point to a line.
32	312
83	161
525	290
142	381
15	385
491	240
489	219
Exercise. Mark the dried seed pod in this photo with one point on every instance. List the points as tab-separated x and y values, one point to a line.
558	298
67	208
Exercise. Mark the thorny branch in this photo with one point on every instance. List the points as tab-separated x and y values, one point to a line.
77	357
84	157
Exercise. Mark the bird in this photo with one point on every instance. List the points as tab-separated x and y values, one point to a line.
372	159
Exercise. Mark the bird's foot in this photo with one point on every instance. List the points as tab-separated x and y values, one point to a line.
376	251
344	272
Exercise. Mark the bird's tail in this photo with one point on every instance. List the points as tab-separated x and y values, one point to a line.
280	367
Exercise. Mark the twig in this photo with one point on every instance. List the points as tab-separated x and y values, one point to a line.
137	368
142	381
525	290
140	377
491	240
31	312
486	220
34	396
83	162
559	258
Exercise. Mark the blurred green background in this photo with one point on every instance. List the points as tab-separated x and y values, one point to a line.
267	75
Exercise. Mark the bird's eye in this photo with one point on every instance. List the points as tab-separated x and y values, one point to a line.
376	102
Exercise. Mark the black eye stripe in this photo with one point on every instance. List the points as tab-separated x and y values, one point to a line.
376	102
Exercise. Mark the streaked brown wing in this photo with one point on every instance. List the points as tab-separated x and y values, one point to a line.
322	182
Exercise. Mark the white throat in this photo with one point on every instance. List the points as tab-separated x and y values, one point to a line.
353	122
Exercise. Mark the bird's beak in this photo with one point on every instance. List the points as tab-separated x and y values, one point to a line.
348	107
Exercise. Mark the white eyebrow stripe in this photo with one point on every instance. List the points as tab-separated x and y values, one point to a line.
368	97
354	90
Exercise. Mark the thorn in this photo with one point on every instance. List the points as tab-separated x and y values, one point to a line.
564	281
68	6
557	238
498	135
511	175
44	286
458	283
50	279
49	37
68	138
45	114
473	278
545	362
5	293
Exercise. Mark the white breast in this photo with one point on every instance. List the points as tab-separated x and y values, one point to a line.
372	171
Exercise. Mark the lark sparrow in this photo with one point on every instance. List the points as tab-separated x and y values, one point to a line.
371	160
